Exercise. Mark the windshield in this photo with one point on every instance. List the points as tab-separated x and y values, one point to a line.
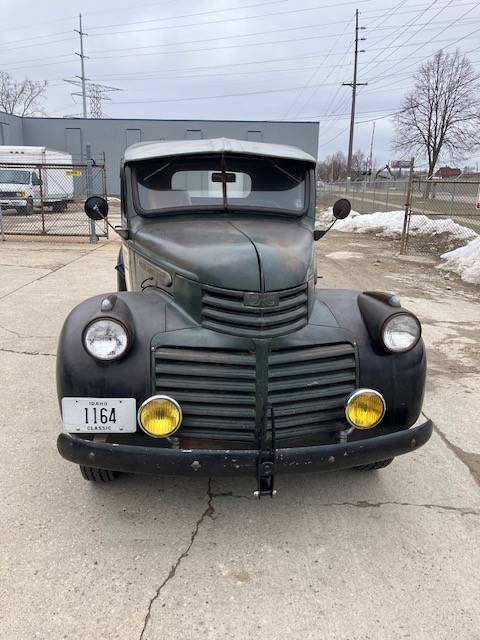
225	183
14	176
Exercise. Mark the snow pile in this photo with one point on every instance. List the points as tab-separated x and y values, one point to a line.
389	224
464	261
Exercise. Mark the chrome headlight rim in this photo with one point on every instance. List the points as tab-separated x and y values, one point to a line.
159	397
117	321
397	315
362	391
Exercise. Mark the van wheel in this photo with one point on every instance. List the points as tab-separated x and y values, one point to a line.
373	466
98	475
29	207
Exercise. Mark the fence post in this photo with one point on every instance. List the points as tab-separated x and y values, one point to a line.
42	208
89	190
452	199
408	208
104	187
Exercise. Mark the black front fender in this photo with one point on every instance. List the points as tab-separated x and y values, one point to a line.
78	374
399	377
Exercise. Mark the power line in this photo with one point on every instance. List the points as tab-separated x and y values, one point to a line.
474	32
312	76
110	11
377	24
188	15
238	18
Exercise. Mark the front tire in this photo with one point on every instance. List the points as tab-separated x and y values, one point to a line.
27	210
373	466
98	475
59	207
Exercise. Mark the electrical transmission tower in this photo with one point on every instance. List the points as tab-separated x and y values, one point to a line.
96	93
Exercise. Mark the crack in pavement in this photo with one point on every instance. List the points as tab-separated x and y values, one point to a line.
28	353
207	513
22	335
210	510
365	504
49	273
470	460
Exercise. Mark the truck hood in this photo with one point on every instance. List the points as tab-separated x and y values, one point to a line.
247	254
12	188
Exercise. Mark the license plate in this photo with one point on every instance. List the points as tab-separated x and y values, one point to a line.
99	415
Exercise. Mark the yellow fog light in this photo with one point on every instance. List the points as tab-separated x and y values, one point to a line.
160	416
365	408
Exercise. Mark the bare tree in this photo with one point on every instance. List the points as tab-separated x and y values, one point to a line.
359	164
21	97
441	115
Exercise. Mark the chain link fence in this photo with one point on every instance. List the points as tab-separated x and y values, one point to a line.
442	215
436	215
366	197
48	199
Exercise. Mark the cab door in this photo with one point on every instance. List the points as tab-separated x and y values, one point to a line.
35	189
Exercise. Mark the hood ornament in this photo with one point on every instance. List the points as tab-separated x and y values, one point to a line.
261	300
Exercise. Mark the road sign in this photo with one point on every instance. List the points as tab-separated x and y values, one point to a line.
400	164
74	173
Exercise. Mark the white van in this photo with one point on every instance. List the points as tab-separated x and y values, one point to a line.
23	186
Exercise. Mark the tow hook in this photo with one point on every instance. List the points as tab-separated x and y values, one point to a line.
266	458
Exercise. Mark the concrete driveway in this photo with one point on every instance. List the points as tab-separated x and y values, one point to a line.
350	555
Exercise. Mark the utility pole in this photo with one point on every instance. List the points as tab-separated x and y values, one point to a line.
82	63
354	86
370	160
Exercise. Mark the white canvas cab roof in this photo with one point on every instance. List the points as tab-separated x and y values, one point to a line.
147	150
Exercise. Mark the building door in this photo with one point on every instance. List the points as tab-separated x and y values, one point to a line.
132	136
193	134
73	144
255	136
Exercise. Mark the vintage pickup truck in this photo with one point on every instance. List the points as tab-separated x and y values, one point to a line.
218	354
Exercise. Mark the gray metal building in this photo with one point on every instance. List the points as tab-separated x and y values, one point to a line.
112	136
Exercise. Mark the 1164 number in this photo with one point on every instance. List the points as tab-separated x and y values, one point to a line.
100	415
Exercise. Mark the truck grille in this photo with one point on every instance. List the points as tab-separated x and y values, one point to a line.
216	390
307	387
228	311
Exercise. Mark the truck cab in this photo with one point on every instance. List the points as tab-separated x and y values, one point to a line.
19	189
218	354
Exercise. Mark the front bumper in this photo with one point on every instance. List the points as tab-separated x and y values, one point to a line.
13	203
207	462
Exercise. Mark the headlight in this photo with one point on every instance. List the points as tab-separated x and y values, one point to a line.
106	339
401	332
365	408
160	416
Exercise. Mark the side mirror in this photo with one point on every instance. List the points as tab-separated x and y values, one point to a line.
341	209
96	208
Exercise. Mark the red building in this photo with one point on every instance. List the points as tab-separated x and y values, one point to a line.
448	172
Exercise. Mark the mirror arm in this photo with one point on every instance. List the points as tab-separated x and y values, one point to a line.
319	233
123	233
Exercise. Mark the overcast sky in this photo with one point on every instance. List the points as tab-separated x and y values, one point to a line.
238	59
